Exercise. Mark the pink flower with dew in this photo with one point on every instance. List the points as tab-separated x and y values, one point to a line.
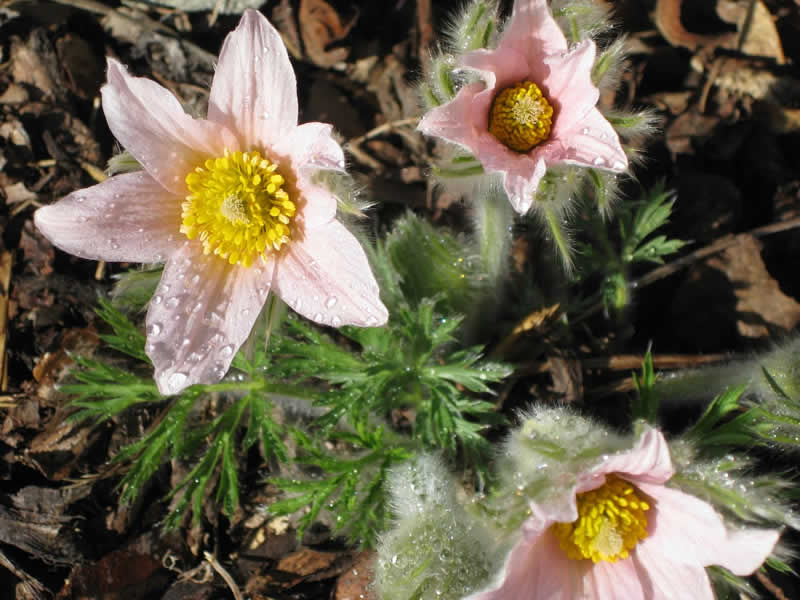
623	534
536	106
228	202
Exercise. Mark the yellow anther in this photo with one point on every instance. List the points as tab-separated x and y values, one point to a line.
611	521
237	207
521	117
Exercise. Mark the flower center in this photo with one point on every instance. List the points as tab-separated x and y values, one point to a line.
237	207
521	116
611	521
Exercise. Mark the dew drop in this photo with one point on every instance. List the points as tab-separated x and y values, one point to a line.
154	329
585	131
172	302
80	198
195	278
197	307
157	299
140	230
331	302
177	379
336	321
226	350
618	165
318	317
194	357
245	312
82	219
149	348
371	321
599	161
186	342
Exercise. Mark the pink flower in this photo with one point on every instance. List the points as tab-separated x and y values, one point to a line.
649	541
536	106
228	202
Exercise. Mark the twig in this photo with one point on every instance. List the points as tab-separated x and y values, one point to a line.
237	595
771	587
425	26
627	362
380	130
746	26
6	260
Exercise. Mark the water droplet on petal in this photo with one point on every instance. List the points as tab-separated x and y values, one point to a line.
226	350
618	165
336	321
599	161
318	317
195	279
172	302
177	379
157	299
585	131
331	302
154	329
371	321
80	198
186	342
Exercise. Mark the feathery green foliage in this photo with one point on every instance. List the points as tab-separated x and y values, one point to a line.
350	484
611	258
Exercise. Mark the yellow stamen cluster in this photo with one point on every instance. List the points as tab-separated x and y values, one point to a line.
237	207
521	116
611	521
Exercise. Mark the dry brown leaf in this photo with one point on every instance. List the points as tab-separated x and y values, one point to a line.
354	583
762	308
321	27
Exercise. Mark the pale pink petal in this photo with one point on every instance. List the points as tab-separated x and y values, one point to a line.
521	180
312	145
648	462
452	121
201	313
689	531
593	142
500	68
533	30
150	124
254	92
127	218
318	205
665	579
568	86
537	569
606	580
326	277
